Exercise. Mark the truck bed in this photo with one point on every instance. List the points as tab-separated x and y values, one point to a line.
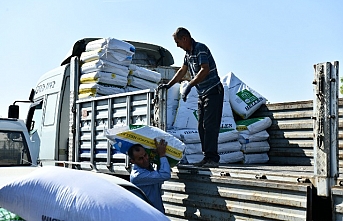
282	189
267	172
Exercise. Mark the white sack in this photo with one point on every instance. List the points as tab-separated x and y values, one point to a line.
256	147
141	83
112	44
144	73
193	148
232	157
131	89
173	95
185	118
192	135
227	135
171	114
123	137
58	193
256	158
227	111
104	78
231	146
253	125
194	158
107	55
259	136
226	91
243	99
186	135
94	88
106	66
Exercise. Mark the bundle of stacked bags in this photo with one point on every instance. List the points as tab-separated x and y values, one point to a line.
240	141
106	69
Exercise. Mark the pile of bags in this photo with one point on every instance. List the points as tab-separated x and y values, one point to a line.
239	141
106	69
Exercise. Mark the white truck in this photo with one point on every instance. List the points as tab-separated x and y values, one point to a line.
302	180
67	130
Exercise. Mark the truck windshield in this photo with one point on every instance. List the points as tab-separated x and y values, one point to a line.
13	149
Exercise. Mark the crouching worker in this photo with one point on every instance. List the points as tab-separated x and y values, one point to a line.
145	176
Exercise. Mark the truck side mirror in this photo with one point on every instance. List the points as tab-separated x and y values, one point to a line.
13	111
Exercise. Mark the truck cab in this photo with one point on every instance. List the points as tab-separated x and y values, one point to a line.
16	148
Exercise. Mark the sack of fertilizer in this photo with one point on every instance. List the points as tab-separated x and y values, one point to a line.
255	147
243	99
95	89
144	73
104	78
247	138
59	193
255	158
107	55
253	125
141	83
172	104
112	44
123	137
106	66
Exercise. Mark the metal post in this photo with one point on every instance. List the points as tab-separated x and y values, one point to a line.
74	82
325	108
160	109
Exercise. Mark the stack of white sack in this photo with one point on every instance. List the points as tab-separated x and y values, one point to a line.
186	124
105	67
143	78
254	139
243	99
58	193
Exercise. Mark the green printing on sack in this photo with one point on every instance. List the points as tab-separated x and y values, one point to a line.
247	96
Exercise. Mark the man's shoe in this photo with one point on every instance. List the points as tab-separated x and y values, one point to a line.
210	164
200	164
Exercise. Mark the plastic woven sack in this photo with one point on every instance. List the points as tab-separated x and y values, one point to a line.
253	125
58	193
123	137
112	44
243	99
116	57
104	78
144	73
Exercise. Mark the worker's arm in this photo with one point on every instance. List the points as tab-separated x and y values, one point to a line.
146	177
203	72
177	77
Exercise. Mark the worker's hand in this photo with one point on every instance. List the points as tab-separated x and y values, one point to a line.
166	86
186	92
161	147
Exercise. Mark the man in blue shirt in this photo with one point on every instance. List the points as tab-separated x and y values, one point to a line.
202	67
145	176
